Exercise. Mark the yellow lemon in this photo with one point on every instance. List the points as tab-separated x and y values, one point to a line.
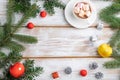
105	50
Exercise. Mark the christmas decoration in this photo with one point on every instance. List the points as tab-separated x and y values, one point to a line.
43	14
55	75
10	40
93	66
93	38
105	50
83	72
30	25
98	75
68	70
17	70
100	26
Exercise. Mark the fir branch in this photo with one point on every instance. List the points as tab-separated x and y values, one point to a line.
112	64
115	44
9	12
11	58
31	71
1	32
24	38
26	16
14	46
2	55
50	4
23	6
108	16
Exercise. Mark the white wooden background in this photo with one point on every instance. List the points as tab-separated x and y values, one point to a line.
60	45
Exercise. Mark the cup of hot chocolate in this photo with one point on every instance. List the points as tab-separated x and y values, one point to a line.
82	10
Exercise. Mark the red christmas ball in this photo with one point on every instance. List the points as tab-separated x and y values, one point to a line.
17	70
83	72
43	14
30	25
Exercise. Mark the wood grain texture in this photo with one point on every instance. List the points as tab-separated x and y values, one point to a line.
56	42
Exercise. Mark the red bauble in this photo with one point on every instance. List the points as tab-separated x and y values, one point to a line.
55	75
43	14
83	72
17	70
30	25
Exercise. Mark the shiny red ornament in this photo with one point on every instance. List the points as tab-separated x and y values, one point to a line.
30	25
83	72
43	14
55	75
17	70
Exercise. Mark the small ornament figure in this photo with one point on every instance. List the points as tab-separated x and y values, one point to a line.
55	75
93	38
68	70
93	65
43	14
30	25
98	75
83	72
17	70
100	26
105	50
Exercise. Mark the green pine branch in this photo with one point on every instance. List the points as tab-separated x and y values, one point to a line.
24	38
31	71
112	64
108	15
14	46
7	34
50	4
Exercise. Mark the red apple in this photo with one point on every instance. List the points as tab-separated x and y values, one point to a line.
17	70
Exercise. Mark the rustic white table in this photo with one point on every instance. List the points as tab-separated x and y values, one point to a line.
60	45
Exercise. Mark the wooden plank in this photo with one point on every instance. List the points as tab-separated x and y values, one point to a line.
54	42
52	65
58	17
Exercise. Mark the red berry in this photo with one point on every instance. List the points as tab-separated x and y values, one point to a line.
43	14
55	75
17	70
30	25
83	73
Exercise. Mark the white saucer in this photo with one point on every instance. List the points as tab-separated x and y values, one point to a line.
78	23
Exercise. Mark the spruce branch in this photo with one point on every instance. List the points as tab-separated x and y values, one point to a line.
112	64
24	19
11	58
14	46
31	71
108	15
2	55
24	38
50	4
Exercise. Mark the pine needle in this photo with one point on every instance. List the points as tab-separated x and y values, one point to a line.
14	46
24	38
50	4
2	55
112	64
108	15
